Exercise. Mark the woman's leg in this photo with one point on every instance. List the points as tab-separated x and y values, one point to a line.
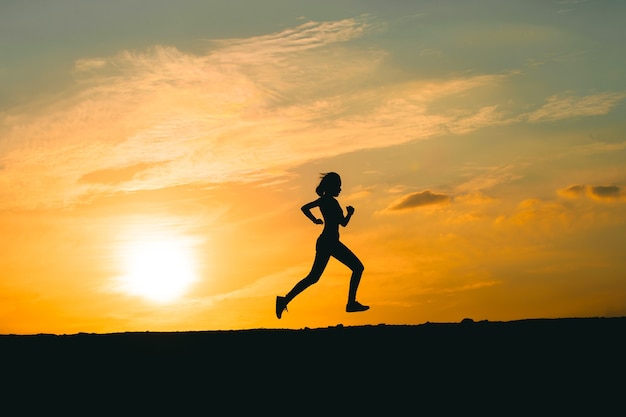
319	264
345	256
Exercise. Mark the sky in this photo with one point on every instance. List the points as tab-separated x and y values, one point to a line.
154	156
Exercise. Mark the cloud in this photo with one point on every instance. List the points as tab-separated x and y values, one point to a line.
357	193
306	36
595	192
117	175
573	191
486	116
483	178
600	147
245	110
162	117
419	199
560	107
474	198
88	64
604	192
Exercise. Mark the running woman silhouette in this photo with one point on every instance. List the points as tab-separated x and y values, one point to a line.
328	244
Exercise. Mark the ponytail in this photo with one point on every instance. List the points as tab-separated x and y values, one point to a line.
327	180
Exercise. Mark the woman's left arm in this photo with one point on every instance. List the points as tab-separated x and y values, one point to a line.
347	218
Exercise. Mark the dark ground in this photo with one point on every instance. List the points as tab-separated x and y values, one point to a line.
527	367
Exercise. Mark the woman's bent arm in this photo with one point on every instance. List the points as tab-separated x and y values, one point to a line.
306	209
346	219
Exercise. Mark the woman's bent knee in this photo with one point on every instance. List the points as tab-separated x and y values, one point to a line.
311	279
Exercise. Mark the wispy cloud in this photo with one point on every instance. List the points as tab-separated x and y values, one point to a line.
306	36
599	147
595	192
116	175
162	117
248	109
484	178
574	191
244	110
560	107
486	116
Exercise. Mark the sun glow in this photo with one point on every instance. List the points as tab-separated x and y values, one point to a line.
158	270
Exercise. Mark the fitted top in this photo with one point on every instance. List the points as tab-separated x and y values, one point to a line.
333	216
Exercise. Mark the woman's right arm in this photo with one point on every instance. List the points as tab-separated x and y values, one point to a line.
306	209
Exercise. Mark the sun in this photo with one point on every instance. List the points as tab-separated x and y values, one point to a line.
158	270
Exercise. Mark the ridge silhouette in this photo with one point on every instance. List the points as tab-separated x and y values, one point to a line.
328	244
544	367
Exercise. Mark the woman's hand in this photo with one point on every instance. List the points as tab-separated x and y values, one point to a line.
350	210
318	221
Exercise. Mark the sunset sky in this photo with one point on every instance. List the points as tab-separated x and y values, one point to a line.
154	156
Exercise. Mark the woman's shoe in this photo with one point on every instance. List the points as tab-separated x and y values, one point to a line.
281	305
355	306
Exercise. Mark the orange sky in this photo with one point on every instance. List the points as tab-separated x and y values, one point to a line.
154	159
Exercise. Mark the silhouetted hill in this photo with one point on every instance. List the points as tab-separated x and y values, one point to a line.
546	367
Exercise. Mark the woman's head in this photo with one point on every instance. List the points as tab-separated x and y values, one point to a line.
330	184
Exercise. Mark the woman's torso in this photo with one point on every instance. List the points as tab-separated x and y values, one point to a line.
333	214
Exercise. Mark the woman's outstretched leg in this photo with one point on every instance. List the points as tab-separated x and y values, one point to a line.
345	256
319	264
